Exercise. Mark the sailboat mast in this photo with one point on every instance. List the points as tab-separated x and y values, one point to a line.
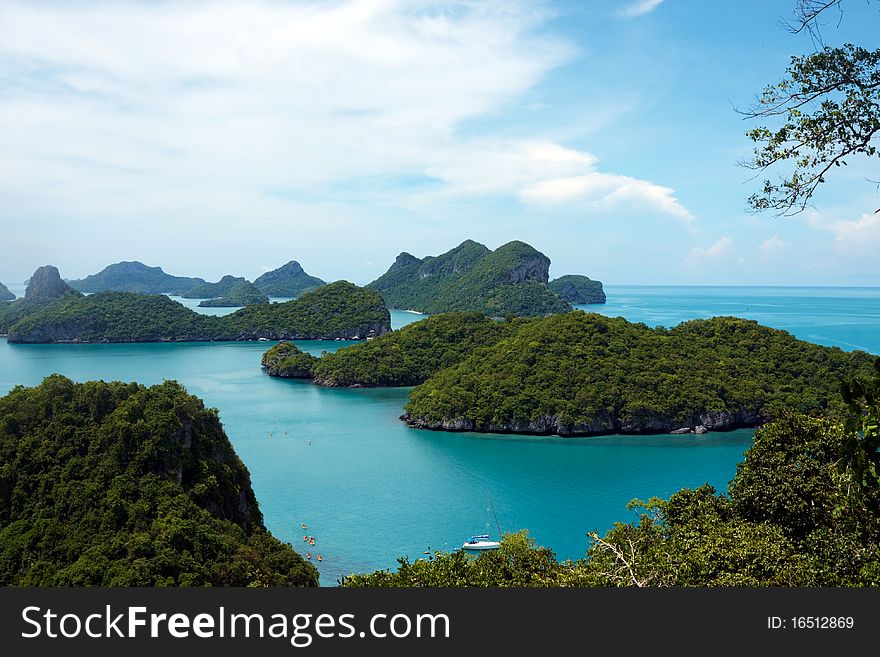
492	507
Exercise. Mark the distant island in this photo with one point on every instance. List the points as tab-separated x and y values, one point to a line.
578	289
213	290
511	280
5	294
228	292
134	277
117	484
289	280
52	312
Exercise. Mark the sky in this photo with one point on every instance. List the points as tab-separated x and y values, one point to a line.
220	137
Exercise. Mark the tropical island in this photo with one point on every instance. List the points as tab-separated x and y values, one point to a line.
52	312
289	280
117	484
511	280
134	276
586	374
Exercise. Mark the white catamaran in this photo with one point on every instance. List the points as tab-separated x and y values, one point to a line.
482	542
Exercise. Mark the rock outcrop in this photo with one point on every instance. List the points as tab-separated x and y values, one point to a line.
404	260
46	283
511	280
602	424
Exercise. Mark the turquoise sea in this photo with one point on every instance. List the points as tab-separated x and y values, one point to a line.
371	489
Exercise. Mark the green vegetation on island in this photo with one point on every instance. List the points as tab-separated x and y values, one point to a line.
414	353
338	310
5	294
586	374
135	277
578	289
115	317
286	360
799	512
289	280
116	484
214	290
241	293
44	288
511	280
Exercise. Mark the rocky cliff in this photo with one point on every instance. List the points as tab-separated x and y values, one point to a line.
512	280
46	284
602	424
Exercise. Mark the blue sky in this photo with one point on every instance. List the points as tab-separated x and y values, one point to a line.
221	137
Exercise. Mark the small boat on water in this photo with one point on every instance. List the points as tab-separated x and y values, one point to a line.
479	543
319	558
304	526
482	542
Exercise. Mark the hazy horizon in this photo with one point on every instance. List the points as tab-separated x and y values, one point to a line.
19	286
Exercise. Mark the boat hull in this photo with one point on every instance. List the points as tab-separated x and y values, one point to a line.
480	546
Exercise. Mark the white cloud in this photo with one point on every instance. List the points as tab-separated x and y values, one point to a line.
119	100
231	109
639	8
851	236
606	190
858	237
773	246
720	249
123	123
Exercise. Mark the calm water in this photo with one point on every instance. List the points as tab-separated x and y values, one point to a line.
844	317
370	489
